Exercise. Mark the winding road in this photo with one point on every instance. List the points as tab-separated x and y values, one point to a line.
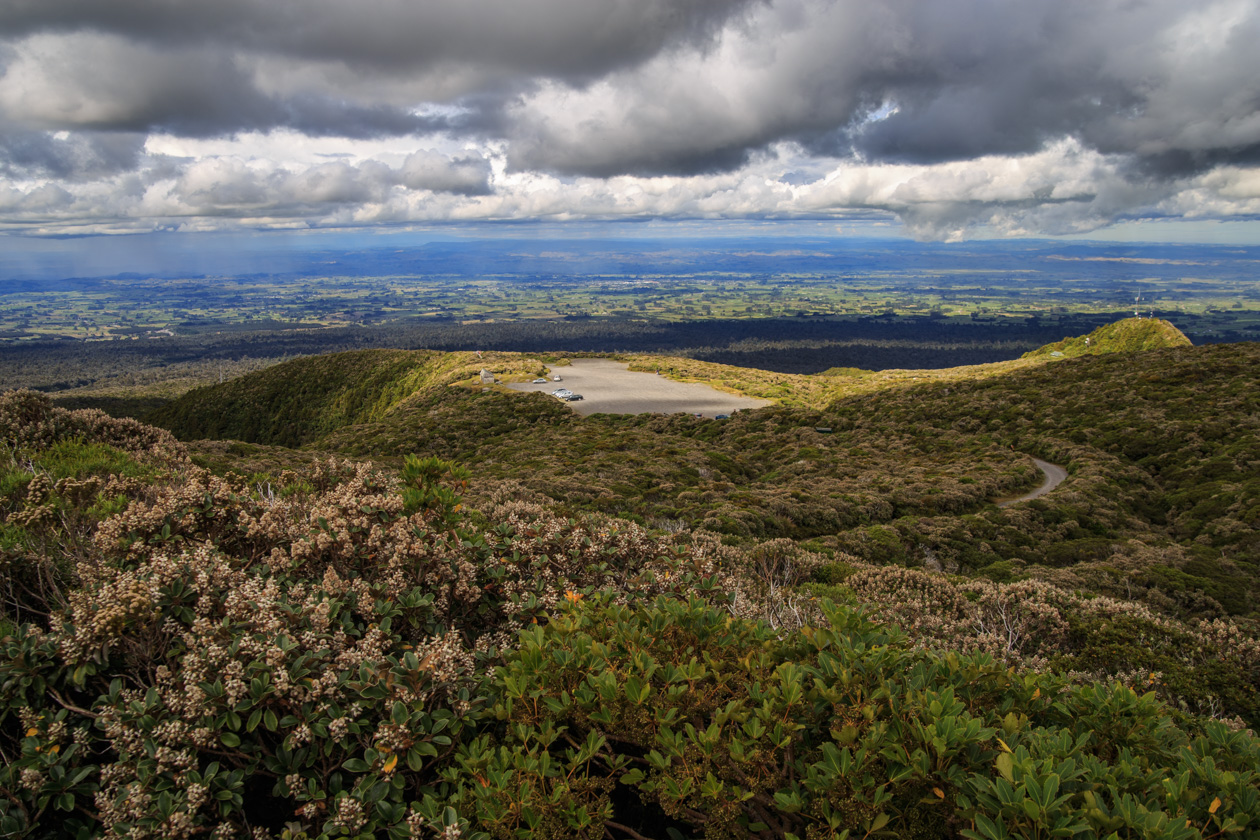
1054	477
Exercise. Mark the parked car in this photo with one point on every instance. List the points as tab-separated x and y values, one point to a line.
561	393
539	382
721	417
555	379
573	397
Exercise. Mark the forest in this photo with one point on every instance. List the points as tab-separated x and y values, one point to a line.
362	594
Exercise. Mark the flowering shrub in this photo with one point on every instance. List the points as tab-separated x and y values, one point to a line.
228	659
29	421
1205	667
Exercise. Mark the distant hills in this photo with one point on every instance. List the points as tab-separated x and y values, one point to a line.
296	403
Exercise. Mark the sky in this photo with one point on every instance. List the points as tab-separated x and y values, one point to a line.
939	119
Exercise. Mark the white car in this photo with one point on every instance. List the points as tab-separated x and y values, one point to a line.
539	382
562	393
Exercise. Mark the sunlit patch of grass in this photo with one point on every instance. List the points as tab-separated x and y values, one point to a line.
77	459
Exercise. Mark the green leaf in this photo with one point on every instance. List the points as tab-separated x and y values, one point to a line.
1006	766
989	829
632	777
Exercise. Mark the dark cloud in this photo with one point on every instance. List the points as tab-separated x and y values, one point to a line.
564	38
75	157
102	84
926	82
1165	81
1181	163
967	78
320	116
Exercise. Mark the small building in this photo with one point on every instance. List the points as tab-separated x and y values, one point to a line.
487	378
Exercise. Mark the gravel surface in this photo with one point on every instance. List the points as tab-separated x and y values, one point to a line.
1054	477
608	387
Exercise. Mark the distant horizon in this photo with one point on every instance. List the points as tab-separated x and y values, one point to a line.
226	253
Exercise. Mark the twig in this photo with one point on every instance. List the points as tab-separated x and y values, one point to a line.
627	829
70	706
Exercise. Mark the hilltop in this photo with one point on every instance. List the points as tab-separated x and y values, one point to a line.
503	619
1131	335
296	402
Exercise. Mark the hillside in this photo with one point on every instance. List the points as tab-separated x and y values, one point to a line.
343	650
904	471
297	402
903	448
900	467
293	403
804	620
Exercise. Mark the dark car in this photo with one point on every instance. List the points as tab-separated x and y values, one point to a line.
572	397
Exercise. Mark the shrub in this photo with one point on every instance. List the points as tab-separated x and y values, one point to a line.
630	721
229	660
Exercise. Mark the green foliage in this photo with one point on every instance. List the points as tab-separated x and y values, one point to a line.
338	652
75	458
834	573
423	490
1178	663
1130	335
243	660
672	715
297	402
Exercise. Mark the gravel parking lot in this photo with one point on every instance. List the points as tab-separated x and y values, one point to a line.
608	387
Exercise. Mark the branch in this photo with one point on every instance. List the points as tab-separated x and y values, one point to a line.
627	829
70	706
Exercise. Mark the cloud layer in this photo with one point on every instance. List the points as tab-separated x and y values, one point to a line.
1028	117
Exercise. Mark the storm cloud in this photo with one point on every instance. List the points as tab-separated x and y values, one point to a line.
1028	117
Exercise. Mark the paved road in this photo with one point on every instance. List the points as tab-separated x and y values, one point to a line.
1054	477
608	387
